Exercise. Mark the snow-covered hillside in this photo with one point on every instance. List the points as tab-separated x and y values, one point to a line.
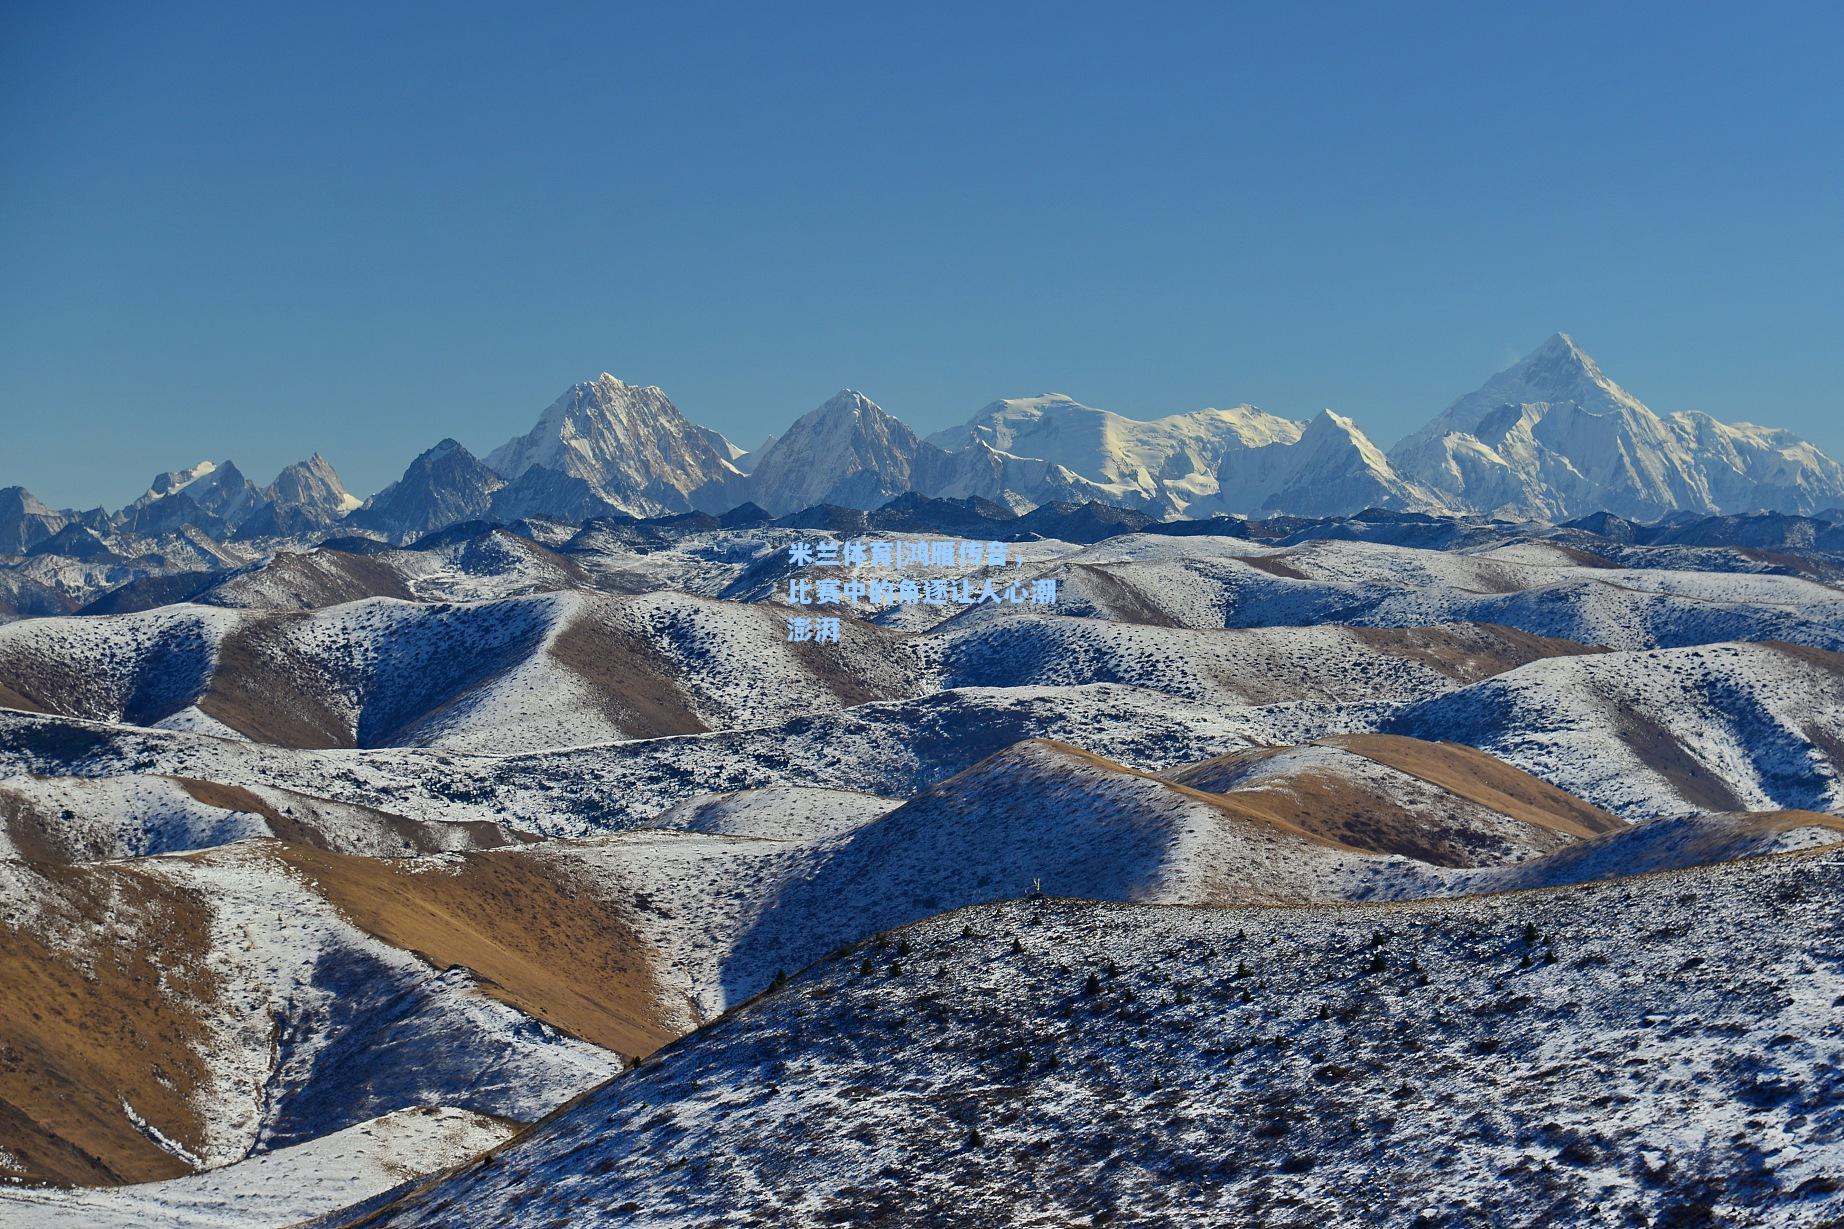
272	1189
1661	1051
1720	727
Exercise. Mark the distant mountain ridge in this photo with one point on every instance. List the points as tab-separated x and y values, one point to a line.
1551	438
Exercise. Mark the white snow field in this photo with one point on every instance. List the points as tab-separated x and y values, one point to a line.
272	1189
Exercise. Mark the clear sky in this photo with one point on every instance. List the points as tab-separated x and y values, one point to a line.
253	231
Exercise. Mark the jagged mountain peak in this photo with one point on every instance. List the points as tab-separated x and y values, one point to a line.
848	451
1554	437
311	482
1163	465
25	521
849	400
1561	347
625	445
212	496
1331	465
1329	430
850	407
1558	372
444	484
178	479
606	395
19	501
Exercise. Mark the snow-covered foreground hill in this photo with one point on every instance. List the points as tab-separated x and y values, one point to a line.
271	1189
1658	1051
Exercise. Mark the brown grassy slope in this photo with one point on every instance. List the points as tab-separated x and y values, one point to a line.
1298	825
90	1017
297	820
1469	652
1455	807
539	943
256	689
1121	600
638	690
1274	565
13	699
1485	779
65	834
322	577
1785	821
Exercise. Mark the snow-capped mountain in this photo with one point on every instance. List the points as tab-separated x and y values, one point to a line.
852	453
25	521
1550	439
1749	468
1330	465
304	498
629	446
1163	463
978	471
442	486
849	451
216	497
211	496
1553	437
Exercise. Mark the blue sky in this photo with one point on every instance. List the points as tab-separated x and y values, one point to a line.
257	231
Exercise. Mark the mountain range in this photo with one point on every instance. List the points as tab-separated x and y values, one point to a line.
1549	439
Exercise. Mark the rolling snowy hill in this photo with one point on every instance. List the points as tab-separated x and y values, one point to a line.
1662	1049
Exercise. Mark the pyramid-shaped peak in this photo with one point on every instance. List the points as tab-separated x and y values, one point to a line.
1328	419
584	405
846	405
850	399
1560	356
606	386
1329	426
1560	343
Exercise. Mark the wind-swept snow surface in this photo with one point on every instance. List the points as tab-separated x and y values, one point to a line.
273	1189
1657	1051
